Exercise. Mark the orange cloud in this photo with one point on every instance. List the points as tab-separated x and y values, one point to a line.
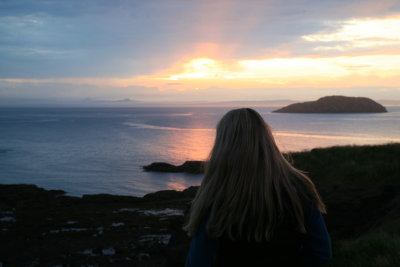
201	73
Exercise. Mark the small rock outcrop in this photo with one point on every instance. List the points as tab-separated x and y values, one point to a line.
194	167
335	104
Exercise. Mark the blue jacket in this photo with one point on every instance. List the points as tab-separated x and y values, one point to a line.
311	249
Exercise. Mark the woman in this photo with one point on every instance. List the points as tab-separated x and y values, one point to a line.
253	207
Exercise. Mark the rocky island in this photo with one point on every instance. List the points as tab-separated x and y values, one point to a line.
335	104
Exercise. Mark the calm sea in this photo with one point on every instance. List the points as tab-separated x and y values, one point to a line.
102	150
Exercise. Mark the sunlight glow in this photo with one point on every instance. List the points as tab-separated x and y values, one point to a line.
210	65
177	185
198	68
380	67
200	73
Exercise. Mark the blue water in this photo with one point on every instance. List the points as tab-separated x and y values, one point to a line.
102	150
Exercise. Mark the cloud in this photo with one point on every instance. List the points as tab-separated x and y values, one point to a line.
121	39
202	73
42	39
359	33
324	72
180	48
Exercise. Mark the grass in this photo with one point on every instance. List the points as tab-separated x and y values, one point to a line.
361	177
351	165
376	249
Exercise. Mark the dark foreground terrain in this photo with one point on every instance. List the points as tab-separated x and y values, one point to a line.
47	228
360	185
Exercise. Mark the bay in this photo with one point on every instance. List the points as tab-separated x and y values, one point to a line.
102	150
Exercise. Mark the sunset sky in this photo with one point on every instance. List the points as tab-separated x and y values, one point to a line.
199	50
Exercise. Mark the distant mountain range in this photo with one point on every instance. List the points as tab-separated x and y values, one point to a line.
127	102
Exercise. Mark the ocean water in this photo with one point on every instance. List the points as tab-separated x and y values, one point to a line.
102	150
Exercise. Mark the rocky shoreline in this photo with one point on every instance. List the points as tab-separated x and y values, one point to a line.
46	228
359	184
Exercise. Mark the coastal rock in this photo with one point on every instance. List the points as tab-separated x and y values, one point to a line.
335	104
189	192
194	167
41	227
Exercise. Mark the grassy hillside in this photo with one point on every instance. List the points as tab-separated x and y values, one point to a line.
351	165
361	187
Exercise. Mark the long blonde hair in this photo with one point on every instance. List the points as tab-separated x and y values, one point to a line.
248	185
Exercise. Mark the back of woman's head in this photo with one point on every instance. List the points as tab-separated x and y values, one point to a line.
249	187
243	145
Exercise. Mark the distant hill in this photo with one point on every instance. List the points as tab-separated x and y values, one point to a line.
335	104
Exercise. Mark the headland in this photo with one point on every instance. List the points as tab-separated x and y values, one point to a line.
359	184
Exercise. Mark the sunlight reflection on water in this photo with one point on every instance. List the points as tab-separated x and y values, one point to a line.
87	151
